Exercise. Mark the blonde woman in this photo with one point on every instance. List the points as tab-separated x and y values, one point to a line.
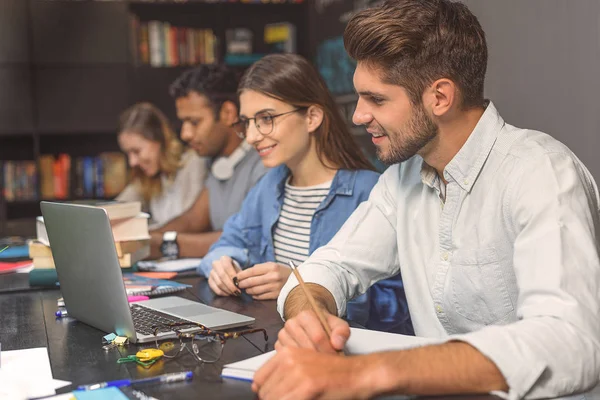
164	177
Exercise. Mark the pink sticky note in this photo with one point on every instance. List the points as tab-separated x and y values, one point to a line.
133	299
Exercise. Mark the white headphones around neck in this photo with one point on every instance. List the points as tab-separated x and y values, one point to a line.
223	167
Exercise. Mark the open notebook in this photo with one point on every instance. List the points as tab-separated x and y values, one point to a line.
361	341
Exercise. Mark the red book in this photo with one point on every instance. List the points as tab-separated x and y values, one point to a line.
7	267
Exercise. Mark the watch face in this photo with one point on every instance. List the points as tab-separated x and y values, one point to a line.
170	249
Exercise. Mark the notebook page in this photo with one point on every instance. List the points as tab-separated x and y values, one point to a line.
362	341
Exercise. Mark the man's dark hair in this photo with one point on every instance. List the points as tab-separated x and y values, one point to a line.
417	42
218	83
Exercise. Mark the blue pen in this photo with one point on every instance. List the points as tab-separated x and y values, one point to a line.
166	378
61	313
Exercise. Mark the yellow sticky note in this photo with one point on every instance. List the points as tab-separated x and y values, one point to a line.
120	340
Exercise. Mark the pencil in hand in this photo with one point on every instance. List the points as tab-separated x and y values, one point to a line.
311	300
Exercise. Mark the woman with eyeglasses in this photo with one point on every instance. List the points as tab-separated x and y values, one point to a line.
317	179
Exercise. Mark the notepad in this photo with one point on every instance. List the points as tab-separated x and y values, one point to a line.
109	393
362	341
143	286
179	265
20	368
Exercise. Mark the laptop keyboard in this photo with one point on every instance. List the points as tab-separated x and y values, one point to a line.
145	318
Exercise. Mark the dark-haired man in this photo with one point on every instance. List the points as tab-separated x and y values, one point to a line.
494	228
207	105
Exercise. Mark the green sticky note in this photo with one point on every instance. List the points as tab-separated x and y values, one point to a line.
109	393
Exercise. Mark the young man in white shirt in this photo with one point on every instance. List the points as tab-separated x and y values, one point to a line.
494	228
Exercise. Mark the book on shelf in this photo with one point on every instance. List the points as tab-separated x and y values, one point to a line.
104	175
20	180
238	41
280	37
161	44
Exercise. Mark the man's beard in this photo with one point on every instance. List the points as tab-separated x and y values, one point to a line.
411	138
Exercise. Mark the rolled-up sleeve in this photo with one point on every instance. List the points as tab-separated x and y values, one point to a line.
553	349
363	251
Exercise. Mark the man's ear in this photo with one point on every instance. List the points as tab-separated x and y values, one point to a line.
314	118
228	114
441	96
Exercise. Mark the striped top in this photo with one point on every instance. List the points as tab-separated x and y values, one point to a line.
292	231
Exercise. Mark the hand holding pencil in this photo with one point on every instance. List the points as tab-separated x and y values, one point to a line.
306	329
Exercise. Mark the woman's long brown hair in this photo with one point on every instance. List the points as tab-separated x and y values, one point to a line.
293	80
148	121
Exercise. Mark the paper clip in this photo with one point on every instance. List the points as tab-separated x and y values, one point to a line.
145	357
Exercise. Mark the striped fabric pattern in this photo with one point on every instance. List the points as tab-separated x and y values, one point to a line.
291	240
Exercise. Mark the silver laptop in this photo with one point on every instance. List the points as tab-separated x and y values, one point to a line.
92	285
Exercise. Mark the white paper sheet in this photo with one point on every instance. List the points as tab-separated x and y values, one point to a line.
179	265
27	373
362	341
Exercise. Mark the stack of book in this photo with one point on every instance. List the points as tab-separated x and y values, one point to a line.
130	232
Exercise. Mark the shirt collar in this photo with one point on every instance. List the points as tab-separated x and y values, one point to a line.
466	165
342	183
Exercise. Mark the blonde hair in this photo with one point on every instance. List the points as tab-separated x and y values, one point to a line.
147	120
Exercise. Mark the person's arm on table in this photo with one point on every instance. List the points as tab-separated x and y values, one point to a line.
349	264
450	368
553	349
193	228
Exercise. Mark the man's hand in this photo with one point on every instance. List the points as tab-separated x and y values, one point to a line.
305	331
303	374
264	281
221	277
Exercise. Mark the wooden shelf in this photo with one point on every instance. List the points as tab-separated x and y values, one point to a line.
67	71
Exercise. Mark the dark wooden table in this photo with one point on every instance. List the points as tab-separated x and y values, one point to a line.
27	320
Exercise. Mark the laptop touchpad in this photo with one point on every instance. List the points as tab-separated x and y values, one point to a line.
190	310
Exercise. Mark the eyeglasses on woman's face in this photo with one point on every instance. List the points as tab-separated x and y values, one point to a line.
263	121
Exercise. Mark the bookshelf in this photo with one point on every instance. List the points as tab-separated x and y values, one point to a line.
69	68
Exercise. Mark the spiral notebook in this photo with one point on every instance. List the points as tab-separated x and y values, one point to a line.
144	286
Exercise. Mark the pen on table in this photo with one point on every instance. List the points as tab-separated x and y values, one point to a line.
61	313
166	378
3	249
311	300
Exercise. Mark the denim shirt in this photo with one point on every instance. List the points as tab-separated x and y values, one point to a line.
248	238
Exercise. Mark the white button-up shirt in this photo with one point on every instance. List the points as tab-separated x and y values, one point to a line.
508	263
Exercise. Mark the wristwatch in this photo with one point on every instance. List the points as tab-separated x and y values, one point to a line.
169	247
